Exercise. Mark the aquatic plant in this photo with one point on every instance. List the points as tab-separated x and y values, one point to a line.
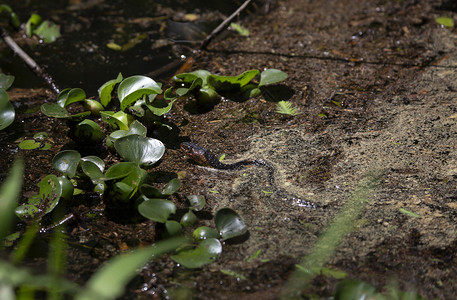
7	112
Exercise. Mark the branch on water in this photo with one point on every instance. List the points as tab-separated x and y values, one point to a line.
29	61
222	26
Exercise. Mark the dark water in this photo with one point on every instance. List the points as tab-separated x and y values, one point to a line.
159	33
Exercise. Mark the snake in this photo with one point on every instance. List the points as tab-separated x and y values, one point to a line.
204	157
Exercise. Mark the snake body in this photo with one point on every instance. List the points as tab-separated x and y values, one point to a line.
203	156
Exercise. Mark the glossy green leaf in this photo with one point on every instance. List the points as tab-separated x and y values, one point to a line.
197	202
92	171
7	112
121	192
48	31
205	253
119	170
88	130
157	210
66	188
29	145
190	77
172	186
229	224
118	119
271	76
188	219
69	96
204	232
49	196
135	128
159	107
106	89
109	282
54	110
9	193
135	87
139	149
26	211
95	160
184	90
207	95
6	81
66	162
173	228
231	83
93	106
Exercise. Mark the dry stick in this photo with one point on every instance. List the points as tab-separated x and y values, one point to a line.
224	24
29	61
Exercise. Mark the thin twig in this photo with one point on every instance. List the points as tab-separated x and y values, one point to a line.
222	26
29	61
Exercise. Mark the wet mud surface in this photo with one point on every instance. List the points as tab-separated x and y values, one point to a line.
375	84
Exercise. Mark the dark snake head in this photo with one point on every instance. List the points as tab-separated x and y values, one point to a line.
195	152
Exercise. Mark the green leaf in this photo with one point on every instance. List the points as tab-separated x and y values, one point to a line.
172	186
197	202
6	81
135	87
32	23
13	16
238	276
173	228
229	224
66	188
49	195
207	95
231	83
188	219
119	170
95	160
445	21
54	110
7	113
159	107
29	145
66	162
270	76
139	149
189	78
241	30
157	210
68	96
109	282
26	211
135	128
93	106
118	119
205	253
9	193
286	108
92	171
204	232
48	31
88	130
106	89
